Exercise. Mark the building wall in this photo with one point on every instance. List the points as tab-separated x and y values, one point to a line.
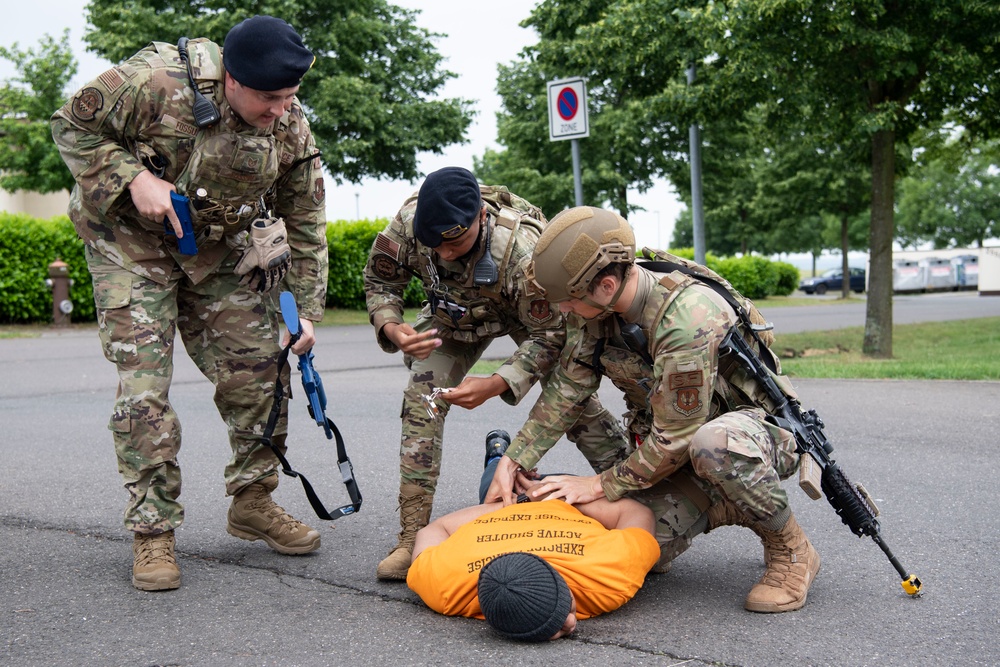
34	204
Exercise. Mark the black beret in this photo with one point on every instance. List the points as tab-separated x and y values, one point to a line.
447	204
265	53
523	597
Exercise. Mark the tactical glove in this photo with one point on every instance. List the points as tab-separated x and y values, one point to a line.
266	261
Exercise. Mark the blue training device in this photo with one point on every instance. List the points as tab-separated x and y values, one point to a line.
186	244
311	381
317	410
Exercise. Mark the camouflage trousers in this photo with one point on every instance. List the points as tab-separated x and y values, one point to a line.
737	456
230	333
597	433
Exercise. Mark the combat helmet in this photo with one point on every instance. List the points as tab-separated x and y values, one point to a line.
575	246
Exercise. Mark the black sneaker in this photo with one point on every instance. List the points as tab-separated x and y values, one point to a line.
497	442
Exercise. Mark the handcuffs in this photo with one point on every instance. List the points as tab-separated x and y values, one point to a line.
430	404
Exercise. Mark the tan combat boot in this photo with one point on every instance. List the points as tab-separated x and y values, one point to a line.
793	566
254	516
154	567
414	514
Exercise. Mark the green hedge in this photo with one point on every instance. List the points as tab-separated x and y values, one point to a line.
350	243
788	278
28	245
753	277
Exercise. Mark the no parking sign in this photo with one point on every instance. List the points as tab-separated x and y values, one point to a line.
568	109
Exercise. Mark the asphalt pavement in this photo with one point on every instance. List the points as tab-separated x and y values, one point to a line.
925	450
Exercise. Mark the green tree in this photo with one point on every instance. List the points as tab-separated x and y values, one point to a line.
371	96
805	191
29	160
951	204
878	69
631	141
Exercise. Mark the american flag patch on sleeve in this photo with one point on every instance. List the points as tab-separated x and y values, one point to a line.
386	246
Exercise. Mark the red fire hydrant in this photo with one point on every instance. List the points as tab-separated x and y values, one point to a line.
60	282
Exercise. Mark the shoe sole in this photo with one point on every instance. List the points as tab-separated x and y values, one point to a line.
246	533
395	575
161	584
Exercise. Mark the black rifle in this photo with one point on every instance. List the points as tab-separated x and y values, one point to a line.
852	503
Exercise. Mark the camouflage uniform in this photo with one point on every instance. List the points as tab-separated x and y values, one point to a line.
687	388
138	116
511	307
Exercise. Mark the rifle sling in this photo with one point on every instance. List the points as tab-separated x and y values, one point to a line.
663	266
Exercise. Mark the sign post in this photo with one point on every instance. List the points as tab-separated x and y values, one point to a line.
568	120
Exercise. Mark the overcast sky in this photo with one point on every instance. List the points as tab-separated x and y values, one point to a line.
472	49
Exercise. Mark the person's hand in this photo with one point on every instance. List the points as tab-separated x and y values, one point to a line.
406	338
151	196
473	391
526	481
502	487
306	340
569	488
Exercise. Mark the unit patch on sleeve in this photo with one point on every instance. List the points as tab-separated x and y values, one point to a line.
87	104
319	191
540	311
687	385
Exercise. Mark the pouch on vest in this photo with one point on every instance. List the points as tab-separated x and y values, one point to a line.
226	176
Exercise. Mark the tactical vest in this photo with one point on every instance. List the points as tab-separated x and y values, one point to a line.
484	309
226	173
631	370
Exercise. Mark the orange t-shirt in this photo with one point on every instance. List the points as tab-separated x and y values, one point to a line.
603	568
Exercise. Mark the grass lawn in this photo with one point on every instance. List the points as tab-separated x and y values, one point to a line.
957	350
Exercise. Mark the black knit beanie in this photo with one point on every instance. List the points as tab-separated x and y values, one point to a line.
265	53
523	597
447	204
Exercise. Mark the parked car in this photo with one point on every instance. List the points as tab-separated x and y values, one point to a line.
833	280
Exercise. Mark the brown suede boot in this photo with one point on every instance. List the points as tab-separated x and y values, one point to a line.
793	566
154	567
414	513
253	515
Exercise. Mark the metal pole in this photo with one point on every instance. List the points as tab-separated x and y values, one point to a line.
697	209
357	205
577	182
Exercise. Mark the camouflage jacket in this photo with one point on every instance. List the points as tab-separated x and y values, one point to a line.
138	115
685	386
510	306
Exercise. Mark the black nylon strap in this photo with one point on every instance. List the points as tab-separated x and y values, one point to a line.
663	266
343	462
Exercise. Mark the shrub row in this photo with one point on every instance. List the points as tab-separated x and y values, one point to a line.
28	245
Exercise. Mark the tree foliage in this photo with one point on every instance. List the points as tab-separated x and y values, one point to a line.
371	95
631	141
951	199
876	69
798	101
29	160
